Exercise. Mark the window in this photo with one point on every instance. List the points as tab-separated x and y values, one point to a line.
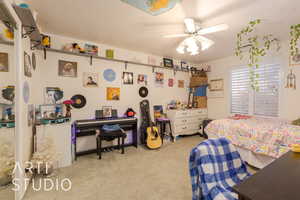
245	100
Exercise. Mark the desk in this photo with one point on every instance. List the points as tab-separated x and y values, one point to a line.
278	181
84	128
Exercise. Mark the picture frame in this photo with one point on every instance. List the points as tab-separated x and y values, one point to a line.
31	114
90	80
67	68
168	62
180	83
4	65
159	79
107	111
127	78
50	111
216	85
53	95
170	82
91	49
294	60
27	65
113	94
142	79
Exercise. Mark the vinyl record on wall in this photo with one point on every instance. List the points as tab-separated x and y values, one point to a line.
79	101
143	91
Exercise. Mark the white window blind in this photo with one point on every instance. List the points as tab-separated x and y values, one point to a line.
265	102
240	82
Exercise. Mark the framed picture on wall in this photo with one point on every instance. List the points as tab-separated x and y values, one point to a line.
67	68
27	65
295	60
181	83
168	62
142	79
31	112
3	62
159	79
90	80
216	85
128	78
171	82
113	94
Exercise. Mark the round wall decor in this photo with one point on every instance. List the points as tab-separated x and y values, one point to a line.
143	91
26	92
109	75
79	101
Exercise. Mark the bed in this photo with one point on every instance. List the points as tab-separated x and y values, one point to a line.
259	140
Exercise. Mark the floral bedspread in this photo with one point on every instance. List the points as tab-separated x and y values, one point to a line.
272	137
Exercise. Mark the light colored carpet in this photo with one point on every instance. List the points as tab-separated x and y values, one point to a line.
139	174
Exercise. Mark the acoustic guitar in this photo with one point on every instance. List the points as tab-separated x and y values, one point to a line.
152	137
154	140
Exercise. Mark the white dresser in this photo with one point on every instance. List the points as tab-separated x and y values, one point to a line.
186	122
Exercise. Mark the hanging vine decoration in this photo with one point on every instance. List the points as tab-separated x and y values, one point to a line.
258	48
295	36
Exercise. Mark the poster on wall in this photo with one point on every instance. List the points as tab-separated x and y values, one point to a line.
295	60
27	65
67	68
142	79
159	79
30	116
127	78
90	80
171	82
4	62
181	83
53	95
109	75
113	94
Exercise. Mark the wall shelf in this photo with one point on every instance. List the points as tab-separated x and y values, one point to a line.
104	58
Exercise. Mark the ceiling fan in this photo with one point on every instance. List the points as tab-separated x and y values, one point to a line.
194	37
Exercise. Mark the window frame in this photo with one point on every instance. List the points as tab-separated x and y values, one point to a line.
251	105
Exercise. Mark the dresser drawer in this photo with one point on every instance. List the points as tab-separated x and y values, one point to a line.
187	128
188	120
198	112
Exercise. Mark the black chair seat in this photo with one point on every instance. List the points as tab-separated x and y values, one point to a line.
109	136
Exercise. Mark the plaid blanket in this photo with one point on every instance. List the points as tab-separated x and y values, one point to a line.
215	167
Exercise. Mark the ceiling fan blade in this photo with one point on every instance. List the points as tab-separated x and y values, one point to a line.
176	35
205	43
213	29
190	25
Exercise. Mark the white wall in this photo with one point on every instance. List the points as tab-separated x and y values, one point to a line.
96	97
220	107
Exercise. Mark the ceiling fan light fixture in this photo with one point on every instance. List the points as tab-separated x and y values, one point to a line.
180	49
190	25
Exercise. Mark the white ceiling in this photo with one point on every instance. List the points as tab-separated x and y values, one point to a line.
116	23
